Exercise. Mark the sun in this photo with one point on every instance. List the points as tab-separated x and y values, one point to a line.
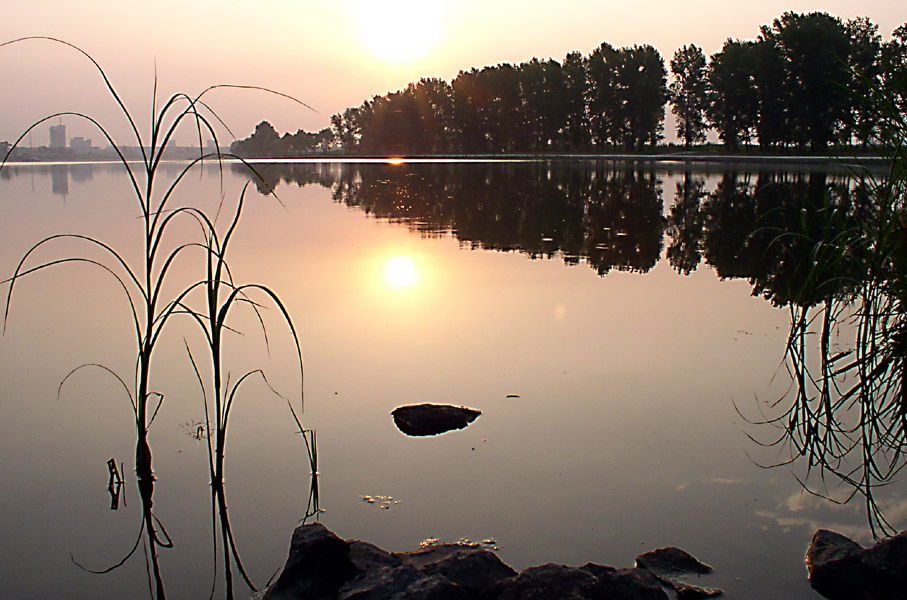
399	30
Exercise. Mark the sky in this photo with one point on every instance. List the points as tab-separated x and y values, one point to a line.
328	55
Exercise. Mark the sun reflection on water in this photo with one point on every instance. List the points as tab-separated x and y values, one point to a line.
400	272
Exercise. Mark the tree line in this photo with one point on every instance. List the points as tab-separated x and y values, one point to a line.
802	84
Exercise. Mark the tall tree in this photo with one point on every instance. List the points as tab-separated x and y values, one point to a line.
864	62
770	117
732	99
814	48
604	107
687	94
894	68
577	128
642	91
434	98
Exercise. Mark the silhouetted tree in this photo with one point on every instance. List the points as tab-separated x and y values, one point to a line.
264	142
814	49
687	94
604	106
642	92
434	99
894	68
865	64
732	97
577	132
347	129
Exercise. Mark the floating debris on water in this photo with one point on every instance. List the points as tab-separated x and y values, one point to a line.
487	544
194	429
382	502
513	396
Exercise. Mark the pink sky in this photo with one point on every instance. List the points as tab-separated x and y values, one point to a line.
322	53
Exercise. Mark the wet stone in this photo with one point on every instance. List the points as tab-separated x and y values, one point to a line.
841	569
432	419
671	565
322	566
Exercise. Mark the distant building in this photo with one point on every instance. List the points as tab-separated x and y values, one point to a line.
4	149
80	143
58	136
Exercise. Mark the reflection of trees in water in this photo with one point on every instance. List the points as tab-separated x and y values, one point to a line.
818	243
832	251
759	226
606	214
686	224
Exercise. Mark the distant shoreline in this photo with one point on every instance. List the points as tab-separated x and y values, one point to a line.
667	156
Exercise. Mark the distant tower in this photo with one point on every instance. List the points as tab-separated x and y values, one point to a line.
58	136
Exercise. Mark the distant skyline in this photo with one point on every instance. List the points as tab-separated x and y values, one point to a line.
329	55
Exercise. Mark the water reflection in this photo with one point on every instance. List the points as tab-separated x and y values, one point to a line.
802	239
728	222
151	300
609	216
603	214
846	414
401	272
153	539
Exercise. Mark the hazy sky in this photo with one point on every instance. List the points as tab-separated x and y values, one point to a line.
330	55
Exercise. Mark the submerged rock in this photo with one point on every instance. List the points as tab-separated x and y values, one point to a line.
670	565
432	419
841	569
671	560
321	566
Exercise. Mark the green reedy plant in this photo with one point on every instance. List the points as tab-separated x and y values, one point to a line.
143	284
846	413
151	309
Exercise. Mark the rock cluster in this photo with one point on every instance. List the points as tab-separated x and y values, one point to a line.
841	569
322	566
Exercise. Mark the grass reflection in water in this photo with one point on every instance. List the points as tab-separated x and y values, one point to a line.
207	300
846	412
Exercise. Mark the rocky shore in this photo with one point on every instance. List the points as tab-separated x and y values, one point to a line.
322	566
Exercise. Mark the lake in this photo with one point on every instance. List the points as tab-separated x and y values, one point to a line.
621	327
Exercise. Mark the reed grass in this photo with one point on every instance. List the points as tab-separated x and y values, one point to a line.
846	412
143	287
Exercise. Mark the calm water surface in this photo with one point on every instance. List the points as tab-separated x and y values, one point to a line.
600	318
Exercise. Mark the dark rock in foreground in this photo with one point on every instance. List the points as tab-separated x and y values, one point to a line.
669	565
321	566
432	419
841	569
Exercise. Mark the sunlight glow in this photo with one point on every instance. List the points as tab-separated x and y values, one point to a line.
399	30
400	272
395	161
